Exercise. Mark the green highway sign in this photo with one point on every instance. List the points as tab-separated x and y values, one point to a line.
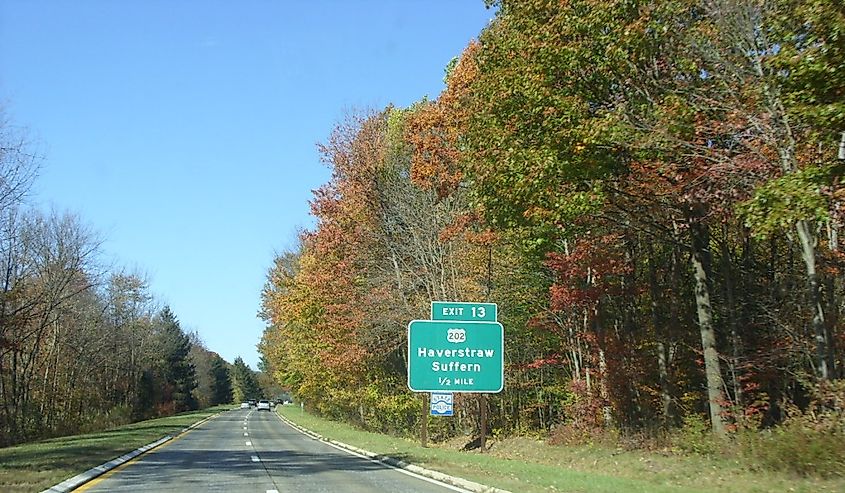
476	312
455	356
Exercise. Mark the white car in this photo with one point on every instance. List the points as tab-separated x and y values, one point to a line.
244	405
263	405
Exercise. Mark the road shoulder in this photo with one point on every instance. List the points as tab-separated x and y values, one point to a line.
74	482
396	463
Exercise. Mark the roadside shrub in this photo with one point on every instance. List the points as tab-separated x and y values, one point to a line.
165	409
396	414
584	421
104	420
380	408
810	443
570	434
654	439
695	436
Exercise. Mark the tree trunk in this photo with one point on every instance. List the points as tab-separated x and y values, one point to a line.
607	411
733	322
786	145
666	413
712	368
808	254
832	282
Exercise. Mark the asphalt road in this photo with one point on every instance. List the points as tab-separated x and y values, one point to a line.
252	451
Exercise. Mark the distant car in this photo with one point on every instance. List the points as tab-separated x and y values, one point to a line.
244	405
251	402
263	405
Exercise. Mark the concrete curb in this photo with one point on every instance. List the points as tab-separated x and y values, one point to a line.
71	484
400	464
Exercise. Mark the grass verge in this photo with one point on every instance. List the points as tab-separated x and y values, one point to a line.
39	465
526	465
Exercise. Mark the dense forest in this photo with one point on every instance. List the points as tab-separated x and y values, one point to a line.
650	190
82	347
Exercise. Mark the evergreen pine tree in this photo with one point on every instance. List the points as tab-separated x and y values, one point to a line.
245	383
177	370
221	390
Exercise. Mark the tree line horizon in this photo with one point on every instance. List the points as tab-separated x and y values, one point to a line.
84	347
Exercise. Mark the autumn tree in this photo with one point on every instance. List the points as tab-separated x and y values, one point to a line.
81	348
46	264
214	385
337	309
783	51
18	165
640	186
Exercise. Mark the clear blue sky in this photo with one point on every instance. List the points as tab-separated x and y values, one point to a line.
184	132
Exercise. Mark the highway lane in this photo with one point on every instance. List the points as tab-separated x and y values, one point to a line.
254	451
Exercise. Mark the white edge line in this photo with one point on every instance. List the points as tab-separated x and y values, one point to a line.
402	470
376	461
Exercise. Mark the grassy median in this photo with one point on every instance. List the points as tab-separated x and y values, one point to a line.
526	465
40	465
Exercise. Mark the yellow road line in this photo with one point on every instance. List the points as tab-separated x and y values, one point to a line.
111	472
